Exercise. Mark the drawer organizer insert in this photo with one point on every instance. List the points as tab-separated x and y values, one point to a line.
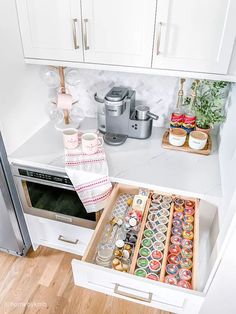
163	247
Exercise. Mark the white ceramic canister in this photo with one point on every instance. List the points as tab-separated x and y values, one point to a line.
197	140
177	136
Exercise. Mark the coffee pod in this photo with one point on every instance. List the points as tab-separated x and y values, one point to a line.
187	226
140	272
187	253
179	208
142	262
172	269
163	220
197	140
185	274
171	280
158	245
188	235
187	243
148	233
156	255
152	217
167	199
189	211
160	236
175	239
188	218
184	284
147	242
176	231
120	244
145	252
179	201
153	276
150	225
165	205
178	215
154	265
174	249
189	204
177	223
163	212
186	263
161	228
173	259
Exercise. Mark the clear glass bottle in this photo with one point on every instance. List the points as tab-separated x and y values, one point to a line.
177	115
189	120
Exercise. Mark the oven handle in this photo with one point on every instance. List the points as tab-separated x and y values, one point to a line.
45	182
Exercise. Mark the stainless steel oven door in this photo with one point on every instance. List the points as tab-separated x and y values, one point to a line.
54	201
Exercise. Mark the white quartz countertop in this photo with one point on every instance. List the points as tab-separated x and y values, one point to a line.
137	162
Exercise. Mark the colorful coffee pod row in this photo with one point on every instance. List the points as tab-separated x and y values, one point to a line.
173	271
153	265
188	207
172	280
157	245
185	243
142	273
154	254
182	262
154	217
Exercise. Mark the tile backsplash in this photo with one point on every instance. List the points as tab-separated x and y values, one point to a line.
158	92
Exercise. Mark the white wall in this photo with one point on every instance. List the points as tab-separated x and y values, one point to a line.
23	96
227	150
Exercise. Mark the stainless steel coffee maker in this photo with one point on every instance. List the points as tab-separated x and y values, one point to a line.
121	119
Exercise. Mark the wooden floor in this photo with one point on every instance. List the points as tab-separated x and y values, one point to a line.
42	282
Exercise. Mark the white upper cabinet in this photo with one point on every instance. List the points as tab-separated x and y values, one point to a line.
194	35
119	32
51	29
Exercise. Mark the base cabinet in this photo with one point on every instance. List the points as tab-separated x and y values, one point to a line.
126	285
136	289
58	235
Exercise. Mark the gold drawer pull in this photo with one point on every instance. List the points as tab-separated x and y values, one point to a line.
131	295
61	238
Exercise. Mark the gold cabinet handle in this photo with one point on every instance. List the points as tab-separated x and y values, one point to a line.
159	37
61	238
86	47
131	295
76	45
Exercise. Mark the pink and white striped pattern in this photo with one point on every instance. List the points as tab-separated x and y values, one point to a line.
89	175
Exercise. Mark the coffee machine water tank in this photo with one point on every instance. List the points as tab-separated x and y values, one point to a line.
114	101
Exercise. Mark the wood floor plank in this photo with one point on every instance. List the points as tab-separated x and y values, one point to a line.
42	283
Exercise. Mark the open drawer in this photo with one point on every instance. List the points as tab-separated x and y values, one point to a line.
127	285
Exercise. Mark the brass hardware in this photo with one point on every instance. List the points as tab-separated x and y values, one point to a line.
132	296
76	45
86	47
159	37
61	238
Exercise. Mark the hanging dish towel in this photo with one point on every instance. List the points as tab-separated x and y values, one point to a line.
89	176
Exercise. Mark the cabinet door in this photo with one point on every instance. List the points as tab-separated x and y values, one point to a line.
196	35
119	32
51	29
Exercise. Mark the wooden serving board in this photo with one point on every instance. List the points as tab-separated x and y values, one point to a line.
185	147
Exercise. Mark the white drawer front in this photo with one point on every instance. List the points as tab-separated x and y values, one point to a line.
58	235
136	289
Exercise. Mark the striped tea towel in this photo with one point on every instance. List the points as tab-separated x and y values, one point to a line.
89	176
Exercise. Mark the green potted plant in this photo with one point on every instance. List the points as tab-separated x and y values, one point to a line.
209	104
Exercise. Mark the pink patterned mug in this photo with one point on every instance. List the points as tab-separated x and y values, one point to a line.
71	138
90	143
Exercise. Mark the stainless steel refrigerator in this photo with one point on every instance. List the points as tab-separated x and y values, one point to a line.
14	237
